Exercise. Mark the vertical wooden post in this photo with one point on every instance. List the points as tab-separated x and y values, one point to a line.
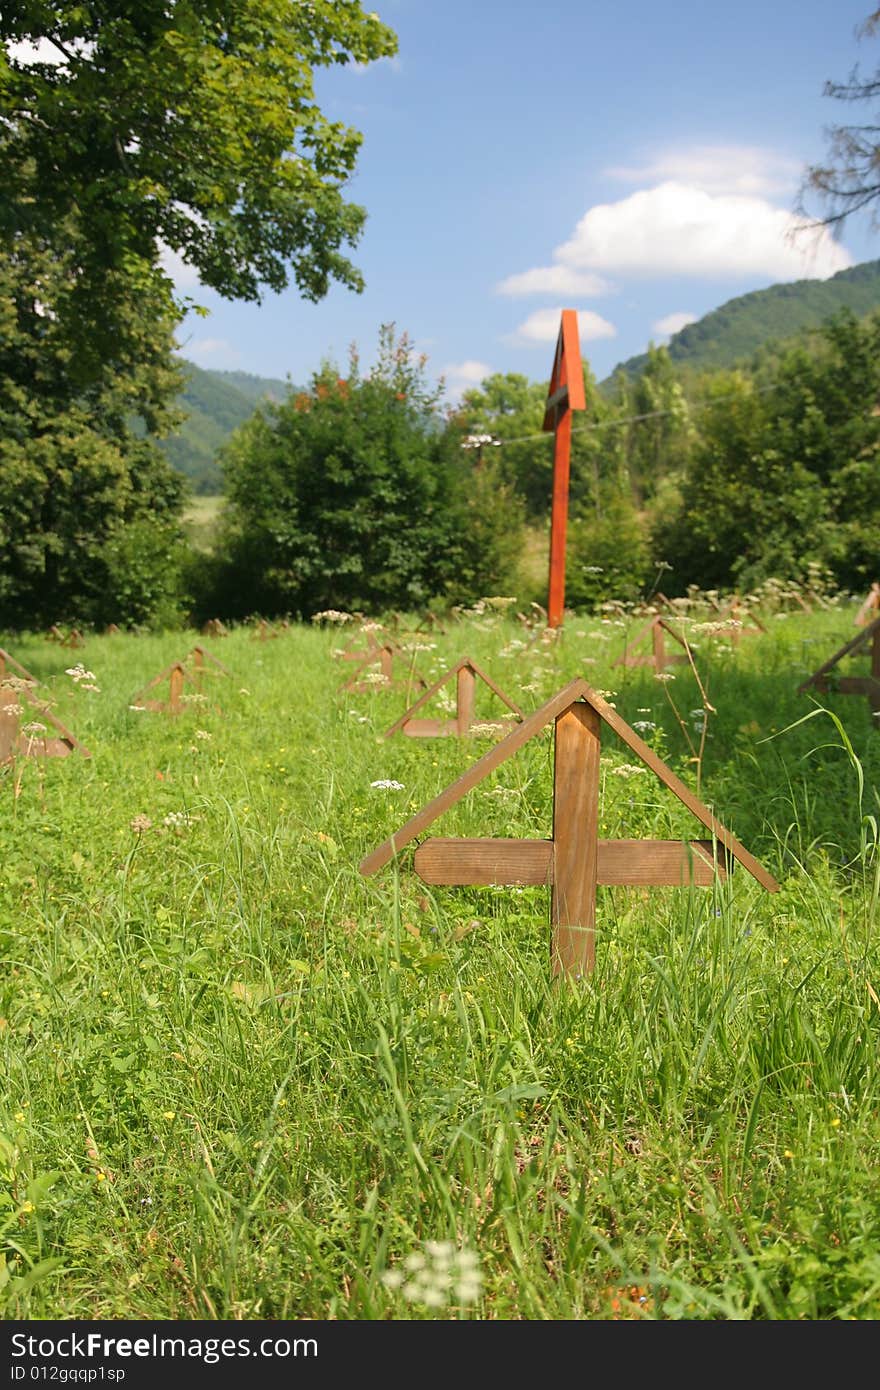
559	518
386	661
659	648
464	708
175	689
566	394
874	697
8	723
575	840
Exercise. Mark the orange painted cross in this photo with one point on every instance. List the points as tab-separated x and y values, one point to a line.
566	393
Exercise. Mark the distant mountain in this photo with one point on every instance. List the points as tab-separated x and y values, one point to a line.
216	403
732	333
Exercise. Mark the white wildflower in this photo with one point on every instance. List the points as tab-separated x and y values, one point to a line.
331	615
442	1274
388	784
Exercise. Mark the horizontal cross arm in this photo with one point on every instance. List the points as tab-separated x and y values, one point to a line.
630	863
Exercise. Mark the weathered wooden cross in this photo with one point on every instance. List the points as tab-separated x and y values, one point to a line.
31	740
565	394
658	657
825	679
574	861
870	606
178	674
466	673
383	656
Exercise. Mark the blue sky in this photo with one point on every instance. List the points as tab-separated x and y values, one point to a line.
636	163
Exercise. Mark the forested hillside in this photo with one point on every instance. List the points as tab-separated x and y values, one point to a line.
731	333
216	403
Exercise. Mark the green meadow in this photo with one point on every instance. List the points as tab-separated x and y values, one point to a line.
244	1081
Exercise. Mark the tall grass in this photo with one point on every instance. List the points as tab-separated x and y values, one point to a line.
243	1081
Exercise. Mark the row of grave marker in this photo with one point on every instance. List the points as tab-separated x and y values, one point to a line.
573	861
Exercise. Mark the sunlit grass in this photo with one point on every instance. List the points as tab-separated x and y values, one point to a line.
244	1081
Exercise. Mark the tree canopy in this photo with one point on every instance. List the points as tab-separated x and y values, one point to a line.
194	125
356	494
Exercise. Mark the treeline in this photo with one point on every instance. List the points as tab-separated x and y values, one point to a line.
361	492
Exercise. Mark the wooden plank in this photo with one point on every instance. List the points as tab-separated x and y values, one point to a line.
502	750
854	643
871	603
496	690
175	689
430	728
684	794
201	653
576	840
559	520
658	646
426	695
574	371
473	863
660	863
874	695
465	863
8	722
850	685
7	660
464	698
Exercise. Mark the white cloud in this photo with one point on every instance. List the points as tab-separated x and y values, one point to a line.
554	279
213	352
543	327
25	53
675	229
673	323
460	376
726	169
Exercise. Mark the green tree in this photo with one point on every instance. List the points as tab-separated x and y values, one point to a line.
357	495
89	507
127	126
658	432
786	471
194	125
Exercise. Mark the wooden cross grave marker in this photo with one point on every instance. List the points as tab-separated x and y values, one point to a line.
31	739
743	623
565	394
823	679
574	861
870	606
466	673
384	657
658	657
179	674
353	651
73	638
